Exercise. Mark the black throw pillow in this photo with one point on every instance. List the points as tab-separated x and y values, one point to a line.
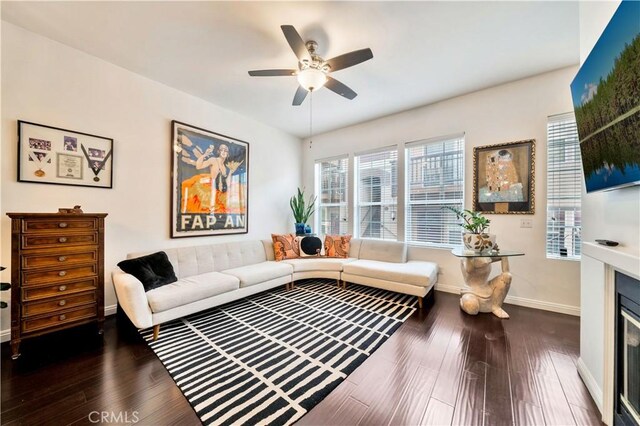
310	246
153	270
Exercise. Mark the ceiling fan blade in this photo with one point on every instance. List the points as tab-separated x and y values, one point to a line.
298	98
340	88
272	73
350	59
295	41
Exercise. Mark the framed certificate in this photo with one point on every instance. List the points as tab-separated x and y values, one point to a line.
63	157
69	166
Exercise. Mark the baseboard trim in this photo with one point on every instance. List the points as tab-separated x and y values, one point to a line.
110	310
590	383
522	301
5	335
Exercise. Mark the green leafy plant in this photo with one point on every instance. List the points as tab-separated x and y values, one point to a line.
302	210
474	222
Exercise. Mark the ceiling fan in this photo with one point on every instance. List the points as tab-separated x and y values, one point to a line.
313	71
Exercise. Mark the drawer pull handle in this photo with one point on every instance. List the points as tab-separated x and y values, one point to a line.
62	258
62	224
62	288
62	273
62	302
62	239
62	317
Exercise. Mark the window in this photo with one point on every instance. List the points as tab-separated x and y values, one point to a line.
435	178
376	197
564	185
331	188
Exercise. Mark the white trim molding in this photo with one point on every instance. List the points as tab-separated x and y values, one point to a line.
110	310
523	301
590	382
5	335
610	315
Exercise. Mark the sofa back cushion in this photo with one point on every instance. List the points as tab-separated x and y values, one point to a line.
195	260
383	251
354	249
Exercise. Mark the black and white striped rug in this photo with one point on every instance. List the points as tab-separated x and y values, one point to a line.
270	358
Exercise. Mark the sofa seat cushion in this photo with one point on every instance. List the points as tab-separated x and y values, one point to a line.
318	263
260	272
414	272
190	289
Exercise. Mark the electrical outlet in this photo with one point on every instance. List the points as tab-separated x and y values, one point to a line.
526	223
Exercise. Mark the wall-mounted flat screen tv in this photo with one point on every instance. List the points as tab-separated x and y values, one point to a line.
606	99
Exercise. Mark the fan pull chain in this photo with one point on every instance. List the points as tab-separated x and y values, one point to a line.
310	118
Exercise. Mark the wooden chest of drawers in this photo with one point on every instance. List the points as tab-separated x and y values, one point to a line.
57	273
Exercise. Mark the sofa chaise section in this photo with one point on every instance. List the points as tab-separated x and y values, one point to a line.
383	264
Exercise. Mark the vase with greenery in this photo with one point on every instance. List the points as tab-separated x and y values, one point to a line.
475	224
302	210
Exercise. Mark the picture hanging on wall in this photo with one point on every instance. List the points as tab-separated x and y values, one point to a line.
504	178
209	183
63	157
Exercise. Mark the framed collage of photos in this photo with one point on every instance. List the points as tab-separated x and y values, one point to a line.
209	183
504	178
63	157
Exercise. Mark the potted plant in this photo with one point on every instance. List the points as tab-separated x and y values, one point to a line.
302	210
475	224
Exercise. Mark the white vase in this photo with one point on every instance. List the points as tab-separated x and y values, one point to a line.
479	242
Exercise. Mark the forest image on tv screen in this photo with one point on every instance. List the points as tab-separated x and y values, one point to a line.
606	99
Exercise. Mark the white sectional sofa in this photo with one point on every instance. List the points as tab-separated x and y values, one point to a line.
215	274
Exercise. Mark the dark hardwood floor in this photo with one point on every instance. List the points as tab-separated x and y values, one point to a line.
441	367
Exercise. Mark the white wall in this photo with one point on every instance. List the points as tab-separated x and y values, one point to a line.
49	83
505	113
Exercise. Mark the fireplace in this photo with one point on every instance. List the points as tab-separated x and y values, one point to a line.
627	351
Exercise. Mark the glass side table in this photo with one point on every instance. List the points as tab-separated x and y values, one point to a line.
481	294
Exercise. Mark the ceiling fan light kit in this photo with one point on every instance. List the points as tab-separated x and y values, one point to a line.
311	79
313	71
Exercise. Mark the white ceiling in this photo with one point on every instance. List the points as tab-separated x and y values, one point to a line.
423	51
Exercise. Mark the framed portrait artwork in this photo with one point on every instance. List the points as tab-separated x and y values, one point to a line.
209	183
63	157
504	178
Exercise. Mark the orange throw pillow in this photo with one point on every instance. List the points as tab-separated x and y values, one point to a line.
285	247
337	245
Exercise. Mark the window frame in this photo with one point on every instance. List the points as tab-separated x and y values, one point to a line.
357	204
408	180
576	197
318	192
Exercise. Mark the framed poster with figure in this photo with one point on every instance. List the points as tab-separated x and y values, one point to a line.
209	183
504	178
63	157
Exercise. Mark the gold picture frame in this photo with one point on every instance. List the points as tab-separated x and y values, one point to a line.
504	178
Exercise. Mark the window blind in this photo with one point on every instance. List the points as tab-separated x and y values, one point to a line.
376	200
332	177
434	178
564	185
